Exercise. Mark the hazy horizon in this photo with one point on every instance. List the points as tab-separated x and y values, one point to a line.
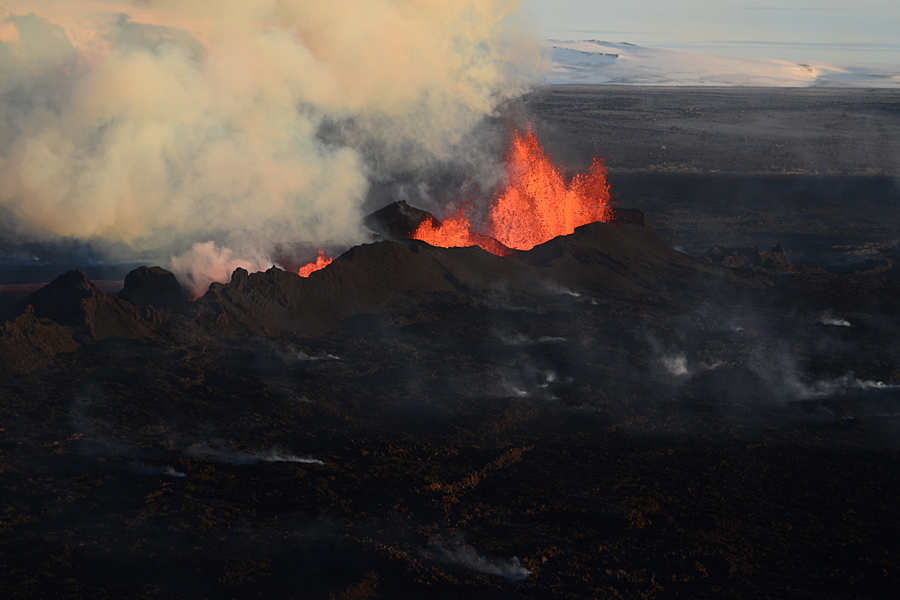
796	30
859	53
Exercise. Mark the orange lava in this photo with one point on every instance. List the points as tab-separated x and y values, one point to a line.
453	232
321	262
535	205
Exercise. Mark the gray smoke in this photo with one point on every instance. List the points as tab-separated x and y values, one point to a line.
469	558
834	387
221	453
828	319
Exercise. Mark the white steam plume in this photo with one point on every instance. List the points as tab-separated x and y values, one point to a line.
467	557
151	122
827	319
206	263
676	364
827	389
235	457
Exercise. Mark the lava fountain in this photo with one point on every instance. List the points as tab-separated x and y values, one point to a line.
535	204
320	263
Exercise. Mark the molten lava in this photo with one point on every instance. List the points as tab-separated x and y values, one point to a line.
453	232
320	263
534	206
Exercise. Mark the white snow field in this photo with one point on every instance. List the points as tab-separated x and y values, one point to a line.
594	62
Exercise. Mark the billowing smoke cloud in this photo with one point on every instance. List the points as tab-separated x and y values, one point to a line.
156	122
206	263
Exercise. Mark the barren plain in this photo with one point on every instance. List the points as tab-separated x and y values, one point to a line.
808	168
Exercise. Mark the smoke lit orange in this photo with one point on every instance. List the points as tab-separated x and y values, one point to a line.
320	263
534	206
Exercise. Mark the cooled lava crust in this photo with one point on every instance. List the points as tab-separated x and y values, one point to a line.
601	416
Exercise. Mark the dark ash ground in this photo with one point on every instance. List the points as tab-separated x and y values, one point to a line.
600	418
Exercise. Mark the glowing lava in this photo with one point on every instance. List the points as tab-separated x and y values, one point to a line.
537	205
452	232
321	262
534	206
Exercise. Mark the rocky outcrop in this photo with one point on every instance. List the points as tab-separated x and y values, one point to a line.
371	278
28	343
154	286
750	258
384	277
396	221
72	301
617	260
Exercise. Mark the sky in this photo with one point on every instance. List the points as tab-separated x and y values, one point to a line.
862	31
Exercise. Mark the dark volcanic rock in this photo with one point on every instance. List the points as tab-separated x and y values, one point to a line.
884	262
454	393
71	300
378	277
776	259
384	277
26	342
615	260
750	258
396	221
154	286
389	277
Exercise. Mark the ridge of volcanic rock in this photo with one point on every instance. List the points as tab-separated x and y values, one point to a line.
383	277
608	257
71	300
154	286
396	221
370	278
376	278
26	342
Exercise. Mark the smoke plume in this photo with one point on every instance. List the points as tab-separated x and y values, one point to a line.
458	554
830	388
828	319
224	454
206	263
164	123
